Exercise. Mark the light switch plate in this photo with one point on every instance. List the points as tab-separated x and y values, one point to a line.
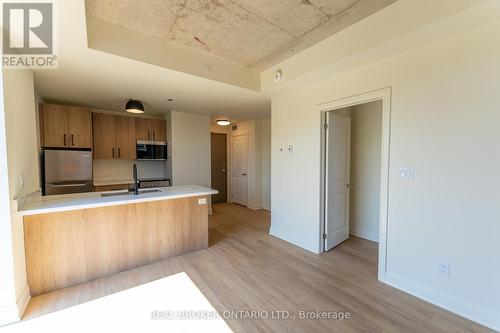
444	269
407	173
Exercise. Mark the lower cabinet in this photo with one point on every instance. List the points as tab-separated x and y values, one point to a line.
115	187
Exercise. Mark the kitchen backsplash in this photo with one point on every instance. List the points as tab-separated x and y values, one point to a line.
111	170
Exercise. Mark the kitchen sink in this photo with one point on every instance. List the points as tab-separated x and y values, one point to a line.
118	193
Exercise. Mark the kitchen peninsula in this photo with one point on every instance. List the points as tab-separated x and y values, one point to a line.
75	238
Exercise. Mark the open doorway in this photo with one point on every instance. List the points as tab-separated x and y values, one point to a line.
355	171
218	148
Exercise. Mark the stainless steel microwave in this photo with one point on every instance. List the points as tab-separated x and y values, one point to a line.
152	150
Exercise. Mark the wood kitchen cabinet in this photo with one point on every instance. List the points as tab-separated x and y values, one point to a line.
79	127
125	139
143	129
65	126
159	128
116	187
150	129
114	137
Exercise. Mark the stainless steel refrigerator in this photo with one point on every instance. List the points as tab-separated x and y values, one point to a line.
67	171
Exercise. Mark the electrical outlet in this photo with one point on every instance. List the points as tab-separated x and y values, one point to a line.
407	173
444	269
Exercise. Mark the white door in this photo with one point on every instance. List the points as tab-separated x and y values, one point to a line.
240	169
338	155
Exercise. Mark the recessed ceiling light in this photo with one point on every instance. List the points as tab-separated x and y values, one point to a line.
170	99
223	122
134	106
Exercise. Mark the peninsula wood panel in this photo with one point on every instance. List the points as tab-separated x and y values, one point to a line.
67	248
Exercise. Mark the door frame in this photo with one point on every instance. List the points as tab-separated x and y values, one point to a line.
383	95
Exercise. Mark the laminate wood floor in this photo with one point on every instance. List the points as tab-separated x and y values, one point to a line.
247	269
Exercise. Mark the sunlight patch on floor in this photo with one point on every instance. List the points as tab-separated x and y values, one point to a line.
153	307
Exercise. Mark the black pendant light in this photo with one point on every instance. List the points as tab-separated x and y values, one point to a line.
134	106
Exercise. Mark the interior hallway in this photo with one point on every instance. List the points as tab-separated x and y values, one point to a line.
246	269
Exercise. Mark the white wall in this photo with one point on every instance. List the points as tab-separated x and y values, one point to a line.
266	164
23	176
366	146
8	297
445	123
189	144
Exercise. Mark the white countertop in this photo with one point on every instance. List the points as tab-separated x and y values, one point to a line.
66	202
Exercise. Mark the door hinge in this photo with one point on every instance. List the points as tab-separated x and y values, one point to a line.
324	236
325	127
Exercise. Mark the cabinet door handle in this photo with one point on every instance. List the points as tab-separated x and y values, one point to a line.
72	140
113	151
149	135
154	135
65	139
119	153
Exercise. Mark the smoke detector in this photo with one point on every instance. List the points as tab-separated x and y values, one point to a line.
278	76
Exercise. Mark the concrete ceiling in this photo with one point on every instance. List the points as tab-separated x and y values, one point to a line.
100	80
253	33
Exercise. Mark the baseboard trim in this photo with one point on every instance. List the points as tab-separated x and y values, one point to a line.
461	307
365	235
254	207
23	300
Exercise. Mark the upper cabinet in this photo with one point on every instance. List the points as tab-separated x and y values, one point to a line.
79	127
104	136
125	140
159	129
143	129
150	129
66	126
112	137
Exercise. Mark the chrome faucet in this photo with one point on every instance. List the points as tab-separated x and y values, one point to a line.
136	185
